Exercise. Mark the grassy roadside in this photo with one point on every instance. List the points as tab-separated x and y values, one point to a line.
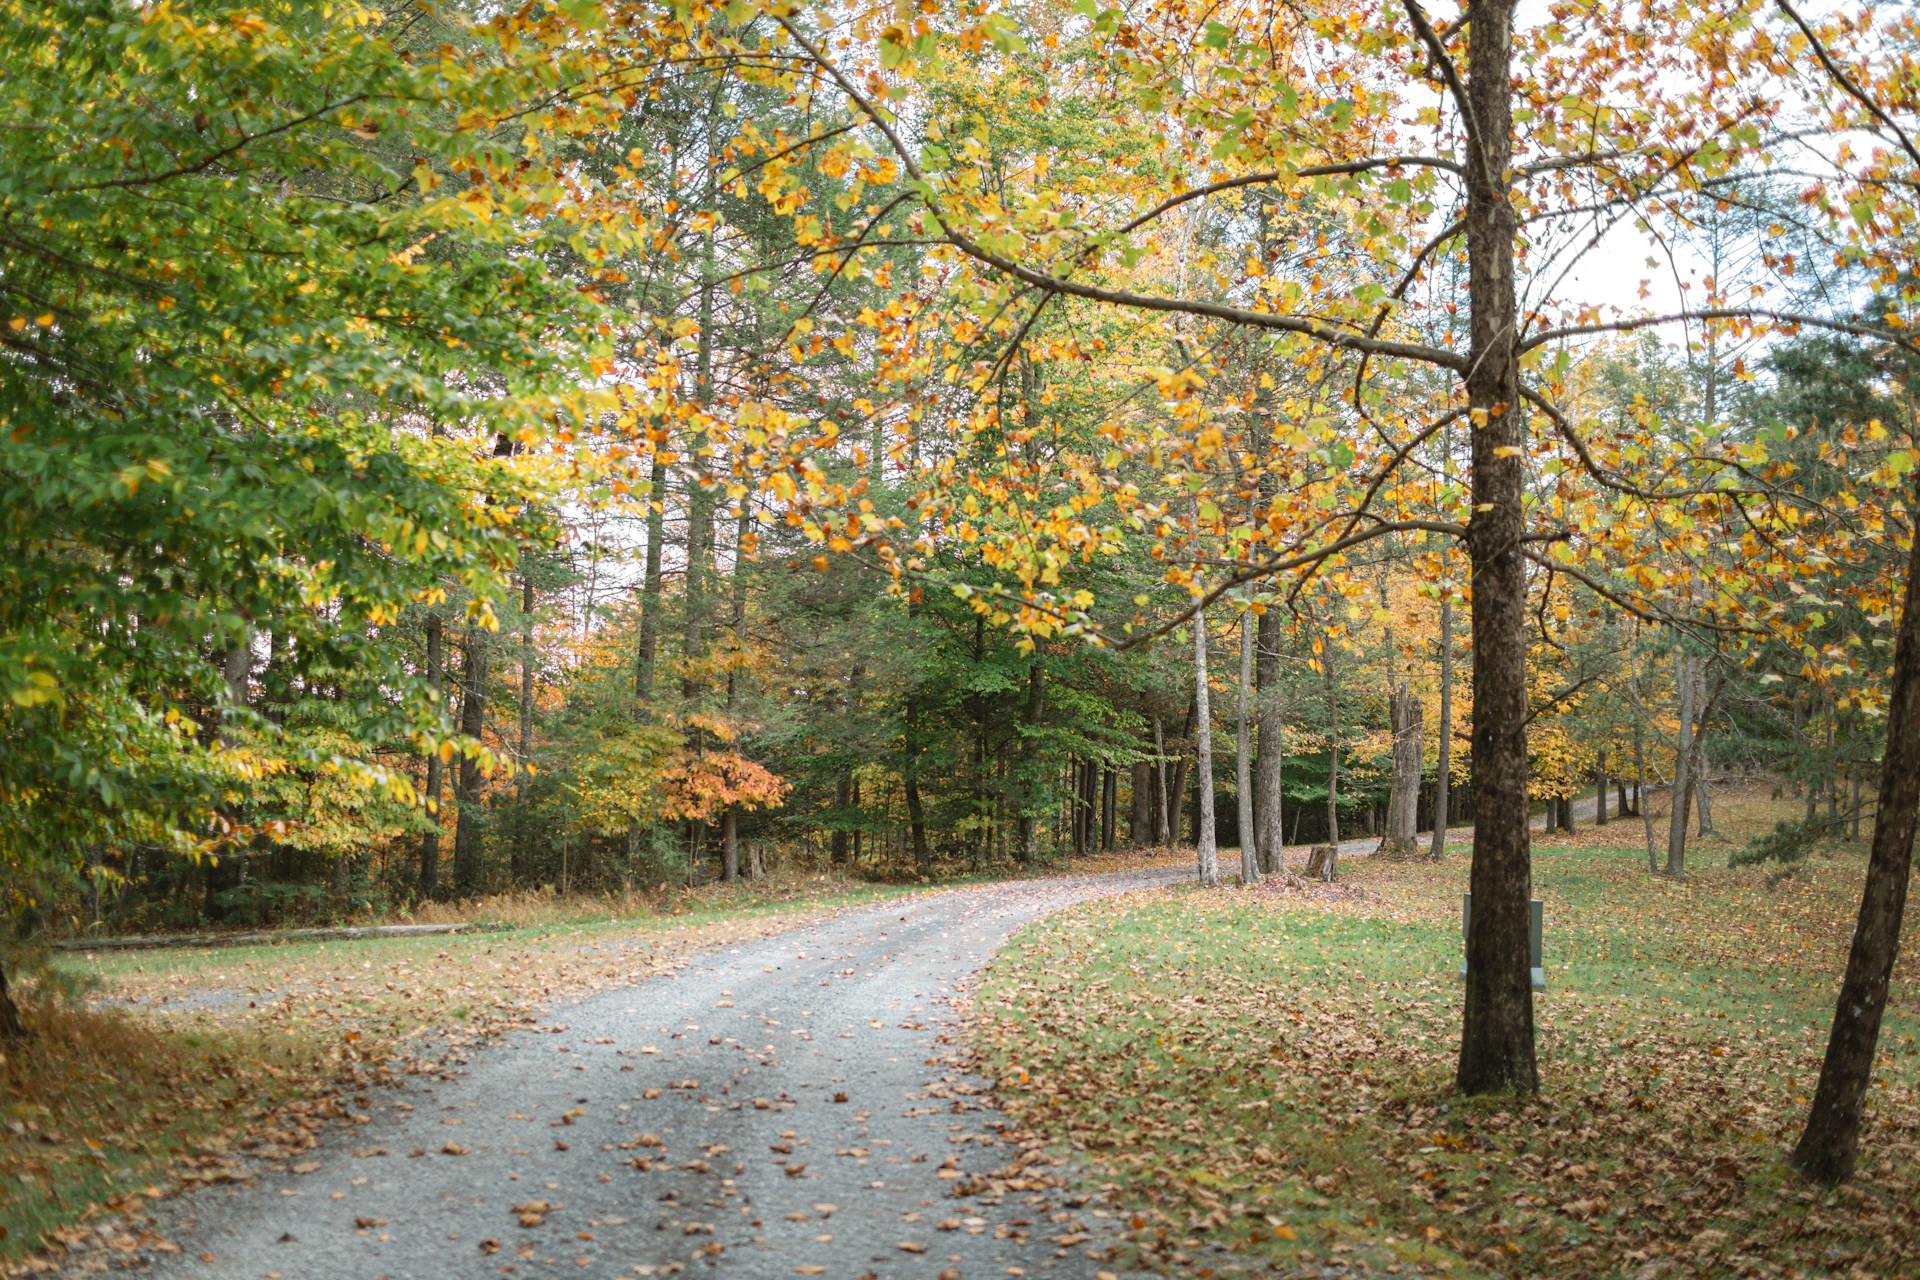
1265	1075
181	1060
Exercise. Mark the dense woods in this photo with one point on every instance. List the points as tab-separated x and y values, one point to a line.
584	448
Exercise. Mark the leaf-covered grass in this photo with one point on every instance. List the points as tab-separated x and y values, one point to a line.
1266	1075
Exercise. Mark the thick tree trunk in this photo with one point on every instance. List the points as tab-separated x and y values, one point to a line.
1203	837
1496	1043
429	877
466	790
1443	745
1404	717
647	650
1682	770
1830	1145
730	843
842	797
1243	762
1270	749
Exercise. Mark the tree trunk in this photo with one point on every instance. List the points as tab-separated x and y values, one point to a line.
1243	762
1140	813
650	583
1496	1043
1027	822
1163	800
1443	767
466	788
523	831
1405	716
1704	703
730	821
1109	801
1270	759
1600	791
1830	1145
429	877
916	816
1682	770
1203	836
1333	752
1177	796
730	843
842	797
11	1027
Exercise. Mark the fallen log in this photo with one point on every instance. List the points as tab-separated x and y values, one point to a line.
155	942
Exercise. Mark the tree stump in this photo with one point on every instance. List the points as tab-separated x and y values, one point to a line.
1321	860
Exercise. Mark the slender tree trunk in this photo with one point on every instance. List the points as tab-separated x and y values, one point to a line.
1163	795
730	820
523	829
429	877
1333	752
1830	1145
647	650
1270	748
1203	744
1600	791
1443	745
916	816
1110	833
466	790
1704	703
1682	770
1496	1043
1027	822
1242	759
1182	769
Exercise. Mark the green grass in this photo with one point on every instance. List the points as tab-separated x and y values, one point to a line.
1267	1075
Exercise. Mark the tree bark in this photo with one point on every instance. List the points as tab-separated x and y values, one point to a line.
1203	749
842	797
429	876
1270	748
11	1027
1443	745
916	816
1682	769
1027	822
1600	791
523	832
1333	750
1496	1043
467	839
1163	801
1140	812
1243	762
1830	1145
1405	716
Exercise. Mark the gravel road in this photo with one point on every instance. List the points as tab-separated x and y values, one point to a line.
775	1109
